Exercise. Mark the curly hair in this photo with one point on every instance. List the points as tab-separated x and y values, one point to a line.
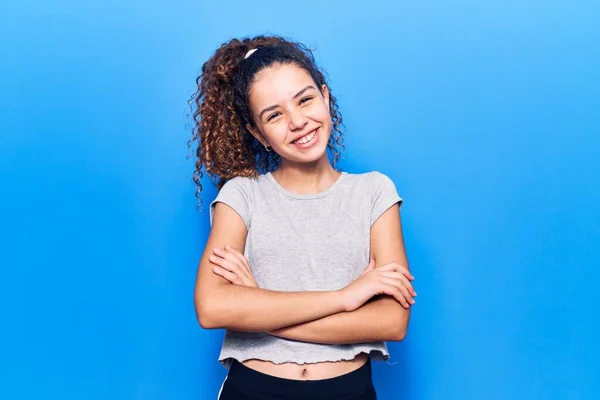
221	110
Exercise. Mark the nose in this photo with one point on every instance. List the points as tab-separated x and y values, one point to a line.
297	119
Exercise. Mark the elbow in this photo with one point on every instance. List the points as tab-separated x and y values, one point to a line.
206	320
399	333
399	326
206	314
395	323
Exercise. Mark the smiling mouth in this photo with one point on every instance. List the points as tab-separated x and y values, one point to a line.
306	138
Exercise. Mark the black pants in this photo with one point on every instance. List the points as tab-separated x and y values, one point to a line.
244	383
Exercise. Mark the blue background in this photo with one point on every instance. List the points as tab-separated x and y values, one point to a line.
485	114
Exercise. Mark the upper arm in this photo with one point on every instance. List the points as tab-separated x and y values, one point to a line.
387	245
387	241
230	216
227	228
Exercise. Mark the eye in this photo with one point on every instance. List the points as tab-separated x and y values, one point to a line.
305	99
270	117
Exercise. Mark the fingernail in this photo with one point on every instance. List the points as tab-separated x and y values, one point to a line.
227	246
415	293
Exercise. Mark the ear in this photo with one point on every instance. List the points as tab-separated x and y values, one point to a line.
259	136
325	93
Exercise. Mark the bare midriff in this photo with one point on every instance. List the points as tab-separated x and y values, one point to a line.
321	370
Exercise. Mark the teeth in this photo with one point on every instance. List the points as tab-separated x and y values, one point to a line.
306	138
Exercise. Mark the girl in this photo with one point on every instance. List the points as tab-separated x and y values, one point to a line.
305	265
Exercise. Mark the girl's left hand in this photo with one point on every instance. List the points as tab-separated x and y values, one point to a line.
233	266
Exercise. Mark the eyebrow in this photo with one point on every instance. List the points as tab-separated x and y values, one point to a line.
300	93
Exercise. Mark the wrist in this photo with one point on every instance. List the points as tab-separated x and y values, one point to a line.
340	301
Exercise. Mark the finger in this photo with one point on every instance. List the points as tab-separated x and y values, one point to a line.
406	273
230	276
409	286
240	257
233	278
399	276
401	288
229	257
393	266
397	267
393	275
393	291
224	254
234	260
228	265
216	260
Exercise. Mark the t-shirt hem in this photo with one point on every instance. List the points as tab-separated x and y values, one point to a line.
374	354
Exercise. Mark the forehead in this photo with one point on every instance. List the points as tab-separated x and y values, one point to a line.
278	83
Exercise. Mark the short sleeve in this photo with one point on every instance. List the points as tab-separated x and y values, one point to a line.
236	194
383	195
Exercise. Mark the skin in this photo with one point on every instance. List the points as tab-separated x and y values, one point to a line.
300	107
376	306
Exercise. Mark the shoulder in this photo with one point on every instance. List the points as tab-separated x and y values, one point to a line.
371	179
379	190
237	194
378	176
243	186
239	182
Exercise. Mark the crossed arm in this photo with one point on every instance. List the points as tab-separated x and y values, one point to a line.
317	317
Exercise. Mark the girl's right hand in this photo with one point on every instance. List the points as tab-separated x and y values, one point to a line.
391	279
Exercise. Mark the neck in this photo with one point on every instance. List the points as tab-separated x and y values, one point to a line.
306	178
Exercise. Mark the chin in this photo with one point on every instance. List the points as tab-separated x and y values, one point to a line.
317	154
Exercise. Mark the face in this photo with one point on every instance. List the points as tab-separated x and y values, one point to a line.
291	113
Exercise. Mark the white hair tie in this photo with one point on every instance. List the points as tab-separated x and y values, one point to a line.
249	53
